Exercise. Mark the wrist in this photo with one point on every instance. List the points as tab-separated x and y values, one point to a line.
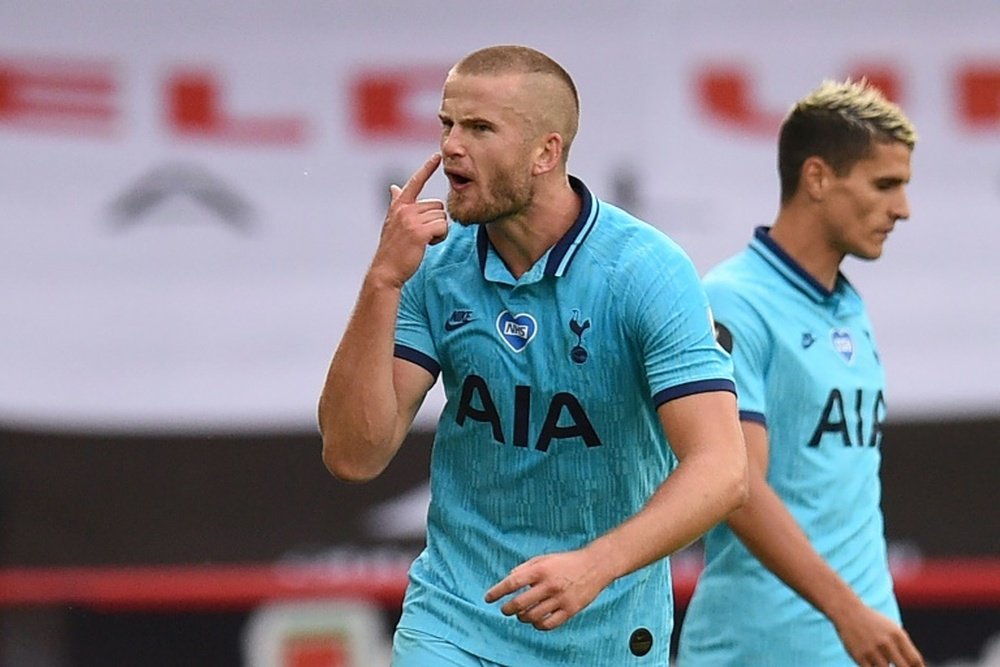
843	606
380	279
607	559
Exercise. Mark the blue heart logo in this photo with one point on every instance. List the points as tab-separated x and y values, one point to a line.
843	343
516	330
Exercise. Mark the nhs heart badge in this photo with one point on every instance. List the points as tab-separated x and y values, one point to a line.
843	344
516	330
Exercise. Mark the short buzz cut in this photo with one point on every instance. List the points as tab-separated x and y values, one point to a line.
838	122
516	59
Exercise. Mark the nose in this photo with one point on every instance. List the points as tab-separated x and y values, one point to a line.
451	144
901	206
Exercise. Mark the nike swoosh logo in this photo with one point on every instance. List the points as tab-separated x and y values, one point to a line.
458	320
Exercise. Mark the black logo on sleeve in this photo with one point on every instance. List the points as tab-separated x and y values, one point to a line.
724	337
459	318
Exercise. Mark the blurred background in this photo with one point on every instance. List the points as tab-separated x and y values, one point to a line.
190	192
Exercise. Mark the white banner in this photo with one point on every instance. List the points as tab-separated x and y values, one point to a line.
736	70
190	191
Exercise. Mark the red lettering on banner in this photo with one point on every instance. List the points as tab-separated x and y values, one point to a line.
387	105
979	96
882	77
400	104
725	94
58	95
194	109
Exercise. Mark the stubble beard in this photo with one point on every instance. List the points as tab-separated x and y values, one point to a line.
506	198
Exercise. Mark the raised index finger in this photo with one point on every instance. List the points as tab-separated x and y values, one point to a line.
416	183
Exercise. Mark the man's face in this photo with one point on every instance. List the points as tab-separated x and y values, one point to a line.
485	125
864	204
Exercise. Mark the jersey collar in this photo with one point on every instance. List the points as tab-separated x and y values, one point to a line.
792	271
557	259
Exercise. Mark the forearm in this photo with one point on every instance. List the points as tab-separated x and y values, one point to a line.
358	405
695	497
771	534
369	400
700	493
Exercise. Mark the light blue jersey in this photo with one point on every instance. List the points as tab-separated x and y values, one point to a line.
550	435
807	367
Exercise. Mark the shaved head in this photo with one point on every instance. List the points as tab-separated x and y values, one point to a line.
555	104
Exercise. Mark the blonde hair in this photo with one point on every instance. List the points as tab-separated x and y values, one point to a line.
838	122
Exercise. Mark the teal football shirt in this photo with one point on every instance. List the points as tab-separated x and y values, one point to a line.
550	435
807	367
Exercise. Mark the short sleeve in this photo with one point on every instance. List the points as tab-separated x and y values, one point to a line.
413	339
670	310
741	331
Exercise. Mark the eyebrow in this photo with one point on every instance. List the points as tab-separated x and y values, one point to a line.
892	180
471	120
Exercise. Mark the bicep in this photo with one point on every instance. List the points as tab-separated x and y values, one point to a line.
704	431
758	448
700	422
411	383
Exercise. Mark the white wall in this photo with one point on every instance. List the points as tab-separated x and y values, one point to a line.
174	317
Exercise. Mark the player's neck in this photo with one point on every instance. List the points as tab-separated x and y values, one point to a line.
802	239
522	240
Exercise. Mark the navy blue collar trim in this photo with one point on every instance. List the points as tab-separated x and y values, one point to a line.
482	246
565	250
763	235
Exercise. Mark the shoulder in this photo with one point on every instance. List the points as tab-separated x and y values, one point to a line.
633	247
459	247
740	290
445	264
742	277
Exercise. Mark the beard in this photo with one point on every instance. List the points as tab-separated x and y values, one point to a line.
507	197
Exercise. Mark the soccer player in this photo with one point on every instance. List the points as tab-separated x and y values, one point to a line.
799	575
580	368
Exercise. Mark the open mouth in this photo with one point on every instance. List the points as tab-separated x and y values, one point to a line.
457	181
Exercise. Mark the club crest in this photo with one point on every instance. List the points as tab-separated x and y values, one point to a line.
516	330
843	344
578	326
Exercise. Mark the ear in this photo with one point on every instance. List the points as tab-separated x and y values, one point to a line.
548	155
816	177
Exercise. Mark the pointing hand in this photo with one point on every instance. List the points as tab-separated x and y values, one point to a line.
410	225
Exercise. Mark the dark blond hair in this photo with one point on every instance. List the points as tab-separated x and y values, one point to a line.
838	122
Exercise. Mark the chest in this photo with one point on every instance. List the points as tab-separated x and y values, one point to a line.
827	375
555	333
